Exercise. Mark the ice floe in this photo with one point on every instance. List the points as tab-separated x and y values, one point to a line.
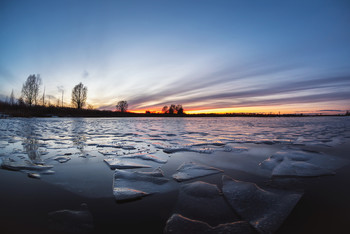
187	149
10	164
62	159
129	185
203	201
116	163
178	149
265	210
299	168
34	175
191	170
300	163
143	156
72	221
178	224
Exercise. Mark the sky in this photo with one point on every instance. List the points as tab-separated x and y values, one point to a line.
208	55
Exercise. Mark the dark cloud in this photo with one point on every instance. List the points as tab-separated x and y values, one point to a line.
194	84
237	98
332	110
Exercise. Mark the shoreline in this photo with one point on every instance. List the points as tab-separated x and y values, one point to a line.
7	111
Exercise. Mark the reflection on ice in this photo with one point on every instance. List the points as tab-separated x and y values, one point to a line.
190	170
265	210
178	224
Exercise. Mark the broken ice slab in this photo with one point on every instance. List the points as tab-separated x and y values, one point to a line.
298	168
23	165
209	144
34	175
191	170
148	157
203	201
265	210
301	163
178	224
124	194
107	152
128	185
179	149
237	149
187	149
116	163
62	159
72	221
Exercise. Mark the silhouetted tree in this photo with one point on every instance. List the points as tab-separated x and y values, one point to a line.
165	109
79	95
30	89
20	101
122	106
179	109
12	98
172	109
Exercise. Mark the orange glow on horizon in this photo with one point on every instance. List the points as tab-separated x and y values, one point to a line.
262	110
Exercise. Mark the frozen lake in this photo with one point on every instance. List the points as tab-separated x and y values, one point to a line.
155	174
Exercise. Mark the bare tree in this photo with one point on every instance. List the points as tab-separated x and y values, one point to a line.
122	106
30	89
79	95
12	98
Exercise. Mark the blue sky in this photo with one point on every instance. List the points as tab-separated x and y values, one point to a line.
221	55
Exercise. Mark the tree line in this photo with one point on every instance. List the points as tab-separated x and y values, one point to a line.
30	96
31	90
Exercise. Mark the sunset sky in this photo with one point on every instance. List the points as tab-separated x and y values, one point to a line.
208	55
